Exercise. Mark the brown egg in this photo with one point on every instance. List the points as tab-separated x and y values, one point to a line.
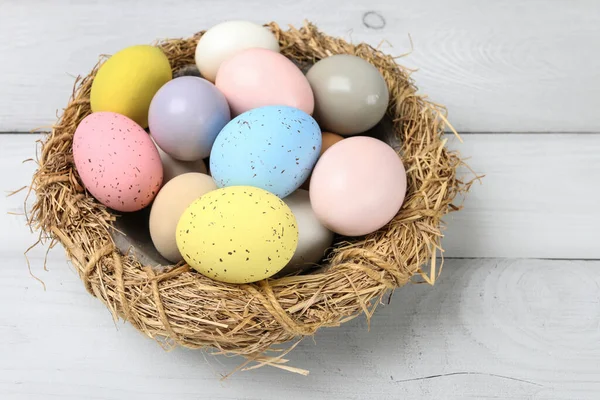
328	139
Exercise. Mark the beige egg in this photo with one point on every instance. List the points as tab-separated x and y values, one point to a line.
313	238
173	167
169	205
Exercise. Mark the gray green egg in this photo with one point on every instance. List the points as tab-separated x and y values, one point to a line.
351	95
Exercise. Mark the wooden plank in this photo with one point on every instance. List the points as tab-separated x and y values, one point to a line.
513	329
539	197
538	200
508	329
506	66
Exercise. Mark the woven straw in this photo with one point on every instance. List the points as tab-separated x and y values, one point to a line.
178	306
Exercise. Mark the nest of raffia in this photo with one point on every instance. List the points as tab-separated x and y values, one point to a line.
178	306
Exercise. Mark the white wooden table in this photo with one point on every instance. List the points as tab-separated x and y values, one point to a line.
516	312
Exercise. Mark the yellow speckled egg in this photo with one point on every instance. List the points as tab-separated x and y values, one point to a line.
237	234
128	80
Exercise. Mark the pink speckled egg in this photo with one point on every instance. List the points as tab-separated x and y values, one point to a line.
259	77
357	186
117	161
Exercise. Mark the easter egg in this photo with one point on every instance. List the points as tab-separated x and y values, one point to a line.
228	38
170	202
173	167
128	80
185	117
357	186
273	148
313	238
259	77
328	139
238	234
117	161
351	95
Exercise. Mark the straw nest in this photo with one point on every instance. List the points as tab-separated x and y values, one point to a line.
177	306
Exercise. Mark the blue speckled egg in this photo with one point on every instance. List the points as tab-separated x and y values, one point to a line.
274	148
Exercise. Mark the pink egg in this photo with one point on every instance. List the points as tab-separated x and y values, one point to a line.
259	77
117	161
357	186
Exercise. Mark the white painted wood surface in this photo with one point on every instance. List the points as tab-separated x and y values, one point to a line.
490	328
499	66
539	198
509	326
506	329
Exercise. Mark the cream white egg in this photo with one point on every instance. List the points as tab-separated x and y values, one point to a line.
226	39
313	238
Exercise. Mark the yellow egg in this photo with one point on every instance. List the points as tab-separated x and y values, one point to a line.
237	234
128	80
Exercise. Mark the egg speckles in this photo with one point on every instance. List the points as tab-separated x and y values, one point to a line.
272	147
238	234
117	161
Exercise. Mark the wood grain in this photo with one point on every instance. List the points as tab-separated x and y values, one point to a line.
508	329
501	66
538	199
512	328
490	328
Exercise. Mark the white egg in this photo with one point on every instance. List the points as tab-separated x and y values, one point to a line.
313	238
226	39
173	167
